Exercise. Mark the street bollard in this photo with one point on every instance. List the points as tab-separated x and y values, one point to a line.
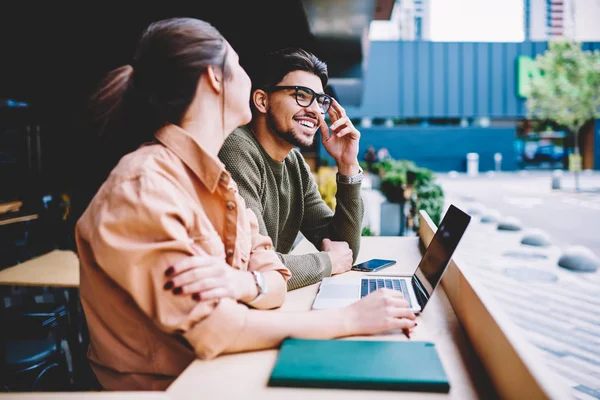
556	174
472	164
498	161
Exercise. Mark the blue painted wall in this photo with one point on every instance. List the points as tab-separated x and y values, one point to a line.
421	79
441	148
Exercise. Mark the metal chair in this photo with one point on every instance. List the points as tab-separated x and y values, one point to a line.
32	354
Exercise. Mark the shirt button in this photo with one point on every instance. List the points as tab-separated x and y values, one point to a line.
230	205
229	252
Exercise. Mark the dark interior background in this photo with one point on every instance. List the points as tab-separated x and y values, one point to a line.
53	54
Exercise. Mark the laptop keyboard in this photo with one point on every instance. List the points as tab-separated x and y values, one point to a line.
368	285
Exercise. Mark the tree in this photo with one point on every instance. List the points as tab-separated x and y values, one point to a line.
567	88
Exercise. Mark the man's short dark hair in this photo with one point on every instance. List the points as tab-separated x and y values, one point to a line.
280	63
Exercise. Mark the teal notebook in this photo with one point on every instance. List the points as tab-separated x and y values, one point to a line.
353	364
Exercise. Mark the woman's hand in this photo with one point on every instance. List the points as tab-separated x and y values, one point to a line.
381	311
209	278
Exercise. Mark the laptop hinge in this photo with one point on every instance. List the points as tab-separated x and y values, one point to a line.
422	296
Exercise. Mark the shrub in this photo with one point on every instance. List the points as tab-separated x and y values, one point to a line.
392	186
429	197
367	231
402	180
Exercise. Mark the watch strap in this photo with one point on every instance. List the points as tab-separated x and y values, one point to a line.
357	178
261	286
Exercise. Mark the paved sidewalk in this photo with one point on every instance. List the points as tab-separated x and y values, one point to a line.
568	217
558	310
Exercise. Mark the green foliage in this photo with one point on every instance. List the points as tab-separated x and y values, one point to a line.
423	176
367	231
430	197
374	167
567	89
397	175
402	181
399	178
392	185
389	164
430	191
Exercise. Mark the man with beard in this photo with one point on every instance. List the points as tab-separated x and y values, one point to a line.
288	108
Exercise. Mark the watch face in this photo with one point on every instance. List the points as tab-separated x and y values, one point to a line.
260	282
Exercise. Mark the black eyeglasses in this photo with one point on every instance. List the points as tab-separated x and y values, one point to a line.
305	96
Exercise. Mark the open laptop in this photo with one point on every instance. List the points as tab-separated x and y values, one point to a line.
339	292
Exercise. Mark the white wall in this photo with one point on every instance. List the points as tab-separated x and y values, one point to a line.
587	20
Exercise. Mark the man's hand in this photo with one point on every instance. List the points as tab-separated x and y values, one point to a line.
342	144
208	278
340	255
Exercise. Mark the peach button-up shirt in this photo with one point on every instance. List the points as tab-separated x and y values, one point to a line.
164	202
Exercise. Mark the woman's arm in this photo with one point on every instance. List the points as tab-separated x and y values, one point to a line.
135	233
276	291
380	311
209	278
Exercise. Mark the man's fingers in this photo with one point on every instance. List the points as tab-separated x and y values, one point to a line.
343	245
333	114
338	108
346	131
340	122
324	129
335	244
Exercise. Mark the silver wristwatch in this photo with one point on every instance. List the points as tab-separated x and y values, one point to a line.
350	179
261	286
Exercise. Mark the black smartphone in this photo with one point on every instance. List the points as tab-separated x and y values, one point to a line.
373	265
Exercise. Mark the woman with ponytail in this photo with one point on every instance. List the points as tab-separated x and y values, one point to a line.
167	200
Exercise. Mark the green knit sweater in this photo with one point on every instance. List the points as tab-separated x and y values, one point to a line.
286	200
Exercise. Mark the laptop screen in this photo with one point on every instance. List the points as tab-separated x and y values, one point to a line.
438	253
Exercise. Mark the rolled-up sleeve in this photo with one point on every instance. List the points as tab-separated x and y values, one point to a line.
140	230
263	256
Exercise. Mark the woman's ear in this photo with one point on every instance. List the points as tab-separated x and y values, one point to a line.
260	100
214	79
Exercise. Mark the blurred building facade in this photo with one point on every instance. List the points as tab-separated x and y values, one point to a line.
410	20
435	101
576	19
543	20
458	98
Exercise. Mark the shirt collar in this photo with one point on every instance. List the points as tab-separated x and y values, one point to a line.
209	169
